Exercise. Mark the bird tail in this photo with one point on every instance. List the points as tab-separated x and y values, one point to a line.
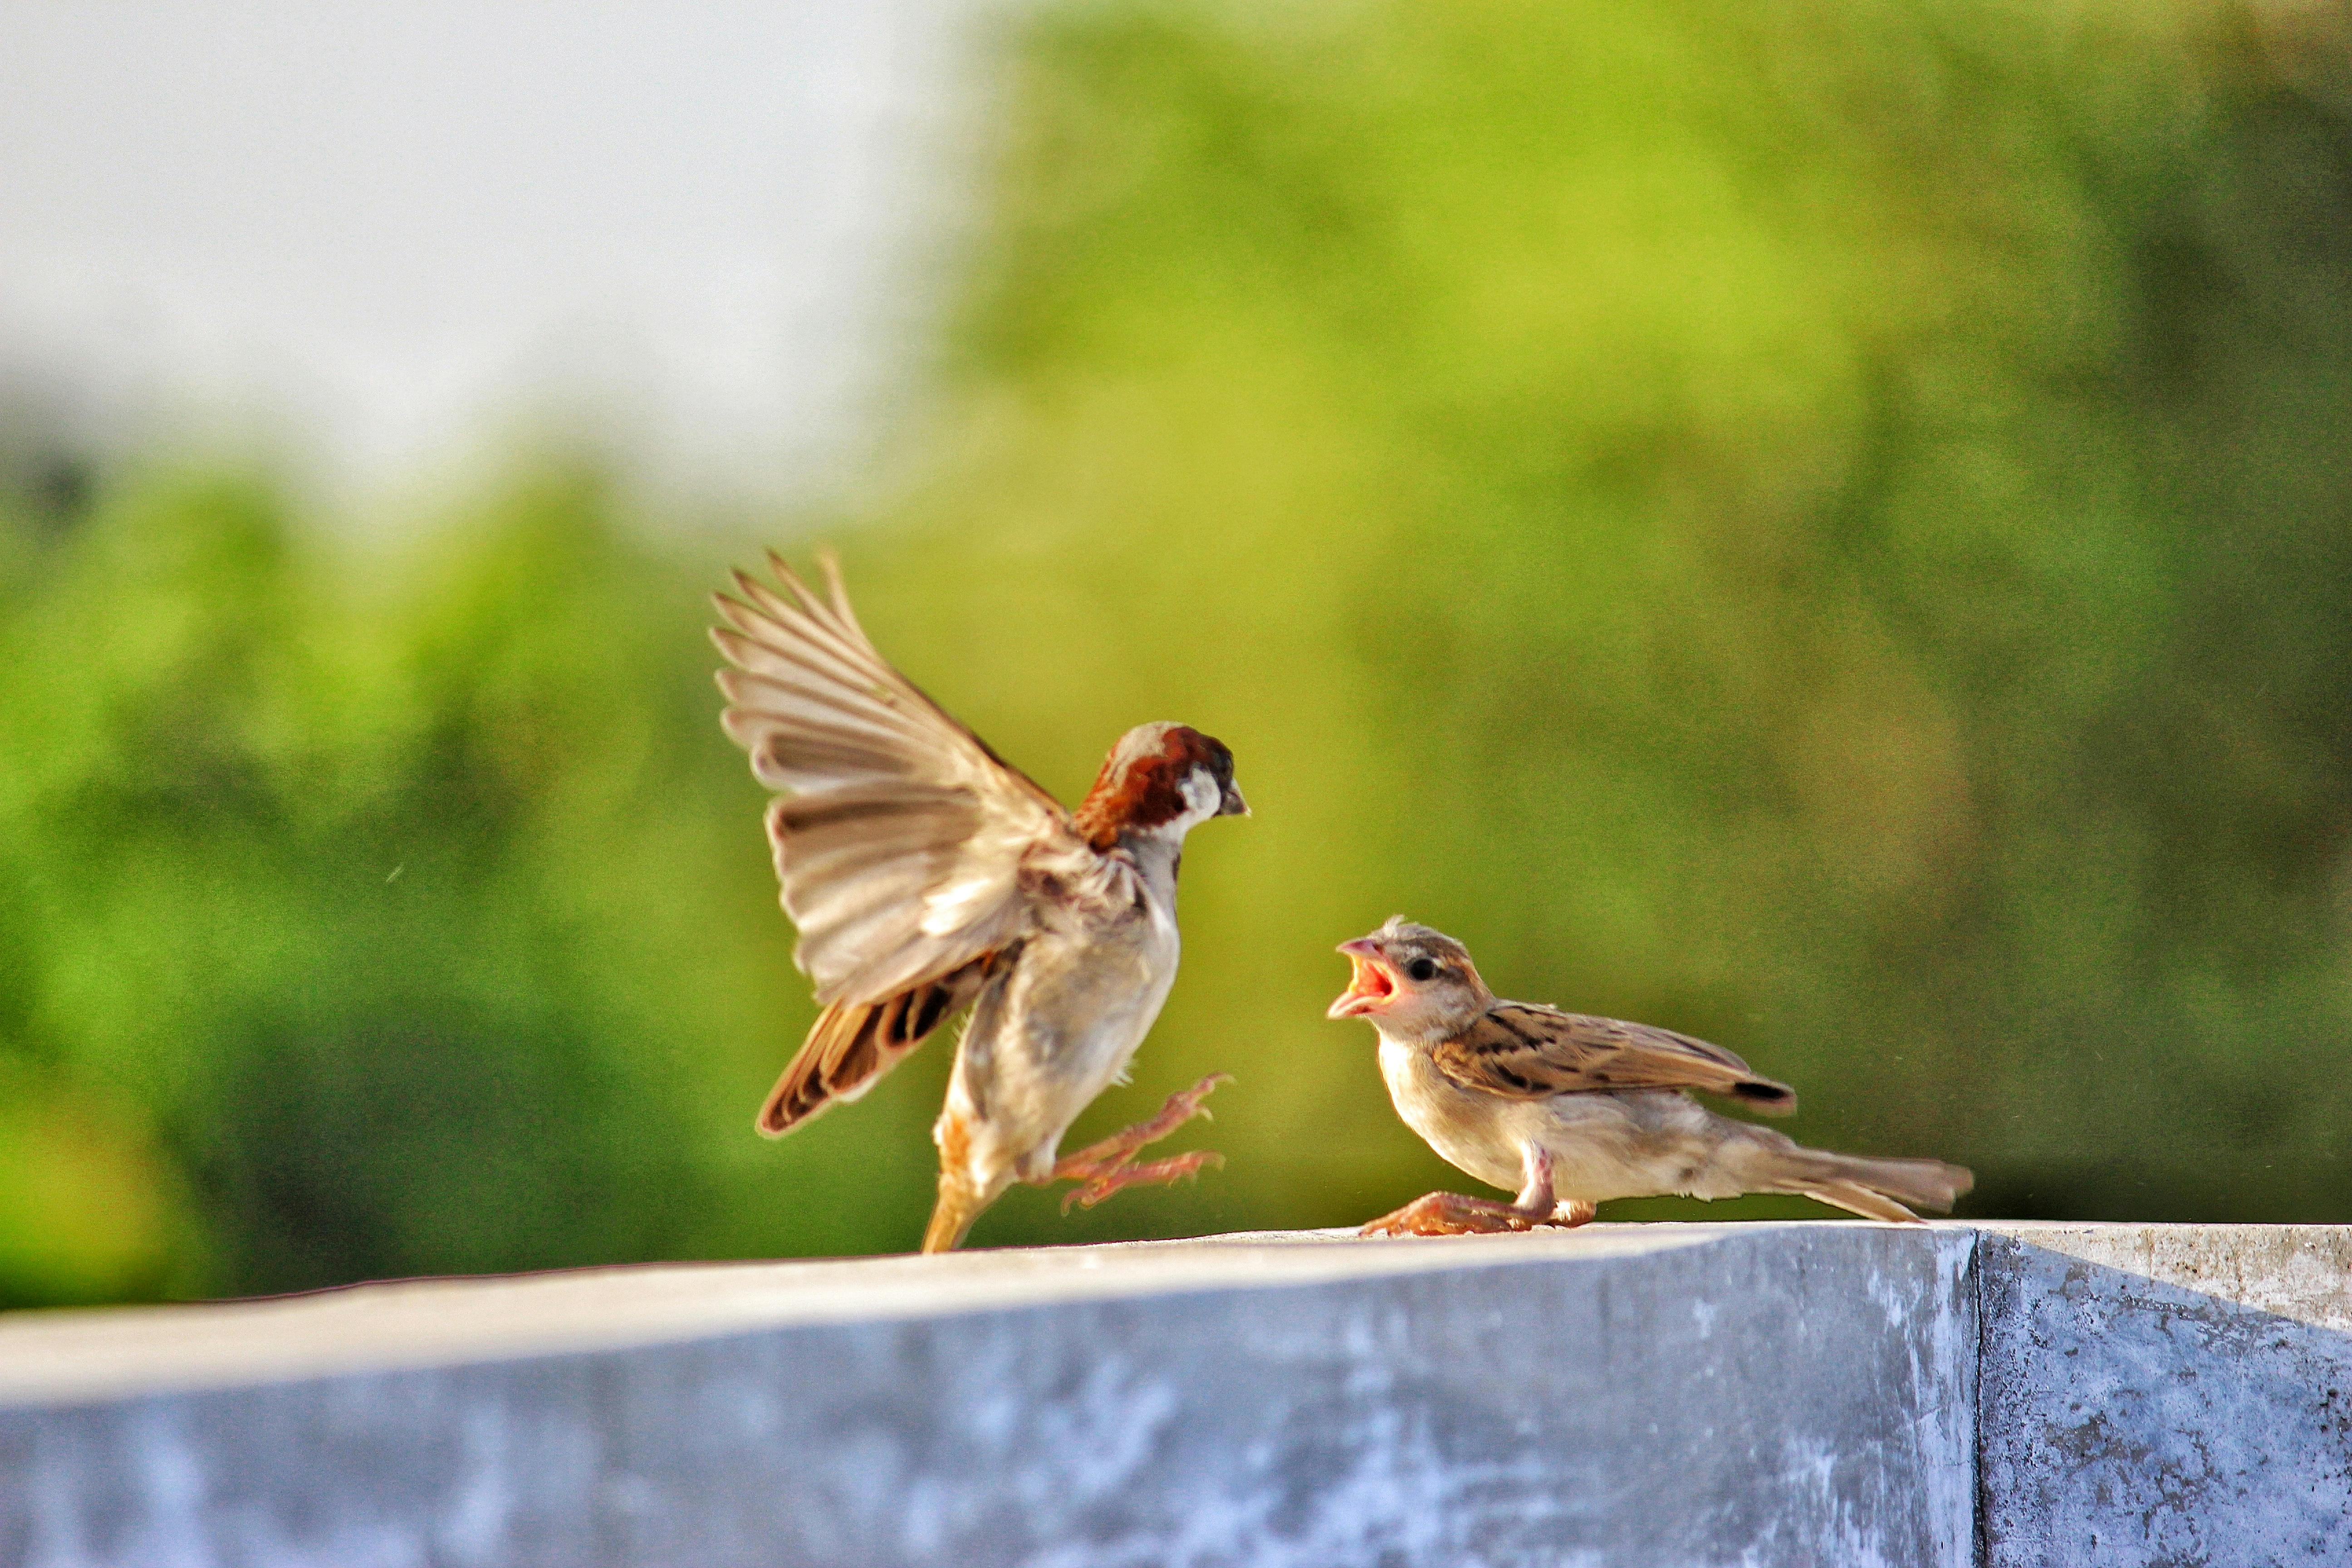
1876	1189
959	1204
962	1194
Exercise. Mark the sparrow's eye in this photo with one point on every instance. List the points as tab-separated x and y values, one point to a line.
1422	969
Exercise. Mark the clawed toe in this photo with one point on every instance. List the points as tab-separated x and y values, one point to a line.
1102	1169
1457	1214
1174	1168
1449	1213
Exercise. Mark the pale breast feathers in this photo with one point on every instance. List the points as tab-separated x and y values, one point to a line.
1525	1051
904	846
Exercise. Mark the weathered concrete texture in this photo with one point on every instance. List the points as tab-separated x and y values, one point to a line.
2178	1394
1684	1395
1757	1394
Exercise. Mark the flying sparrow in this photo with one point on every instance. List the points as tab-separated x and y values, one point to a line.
925	875
1573	1111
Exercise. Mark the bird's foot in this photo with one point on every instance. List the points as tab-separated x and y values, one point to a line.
1103	1168
1121	1146
1455	1214
1173	1168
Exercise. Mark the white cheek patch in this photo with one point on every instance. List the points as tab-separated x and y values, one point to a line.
1202	796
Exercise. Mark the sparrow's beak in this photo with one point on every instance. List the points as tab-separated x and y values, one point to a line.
1233	804
1369	987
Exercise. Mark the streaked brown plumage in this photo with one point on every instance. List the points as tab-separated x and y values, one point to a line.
1574	1111
927	875
1524	1050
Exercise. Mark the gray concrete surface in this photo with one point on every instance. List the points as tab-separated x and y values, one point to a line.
1759	1394
2167	1394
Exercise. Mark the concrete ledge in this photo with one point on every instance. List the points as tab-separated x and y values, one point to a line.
2166	1393
1638	1395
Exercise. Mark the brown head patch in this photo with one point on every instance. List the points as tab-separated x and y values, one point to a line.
1142	784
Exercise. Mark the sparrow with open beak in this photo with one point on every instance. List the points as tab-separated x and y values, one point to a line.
927	875
1573	1111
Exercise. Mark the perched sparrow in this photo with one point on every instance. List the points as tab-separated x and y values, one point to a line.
926	874
1573	1111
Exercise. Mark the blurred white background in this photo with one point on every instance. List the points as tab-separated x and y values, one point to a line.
376	239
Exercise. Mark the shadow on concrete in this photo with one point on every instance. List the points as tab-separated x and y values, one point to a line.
2126	1420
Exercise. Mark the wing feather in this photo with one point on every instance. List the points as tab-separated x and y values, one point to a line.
853	1044
1522	1050
901	839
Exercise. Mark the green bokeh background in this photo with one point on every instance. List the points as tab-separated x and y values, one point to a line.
1825	527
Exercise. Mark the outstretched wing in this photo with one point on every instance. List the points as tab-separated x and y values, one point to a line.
1526	1051
901	840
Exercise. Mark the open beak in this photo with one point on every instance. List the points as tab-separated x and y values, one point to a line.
1369	987
1233	804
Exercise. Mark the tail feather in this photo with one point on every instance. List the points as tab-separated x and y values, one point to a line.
1876	1189
959	1204
1856	1198
964	1193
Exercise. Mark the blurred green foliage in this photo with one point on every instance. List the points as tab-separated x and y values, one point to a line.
1824	527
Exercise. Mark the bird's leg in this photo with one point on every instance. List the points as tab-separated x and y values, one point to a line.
1103	1168
1453	1214
1535	1194
1537	1198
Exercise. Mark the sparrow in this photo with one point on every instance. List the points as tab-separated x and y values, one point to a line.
926	876
1572	1111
